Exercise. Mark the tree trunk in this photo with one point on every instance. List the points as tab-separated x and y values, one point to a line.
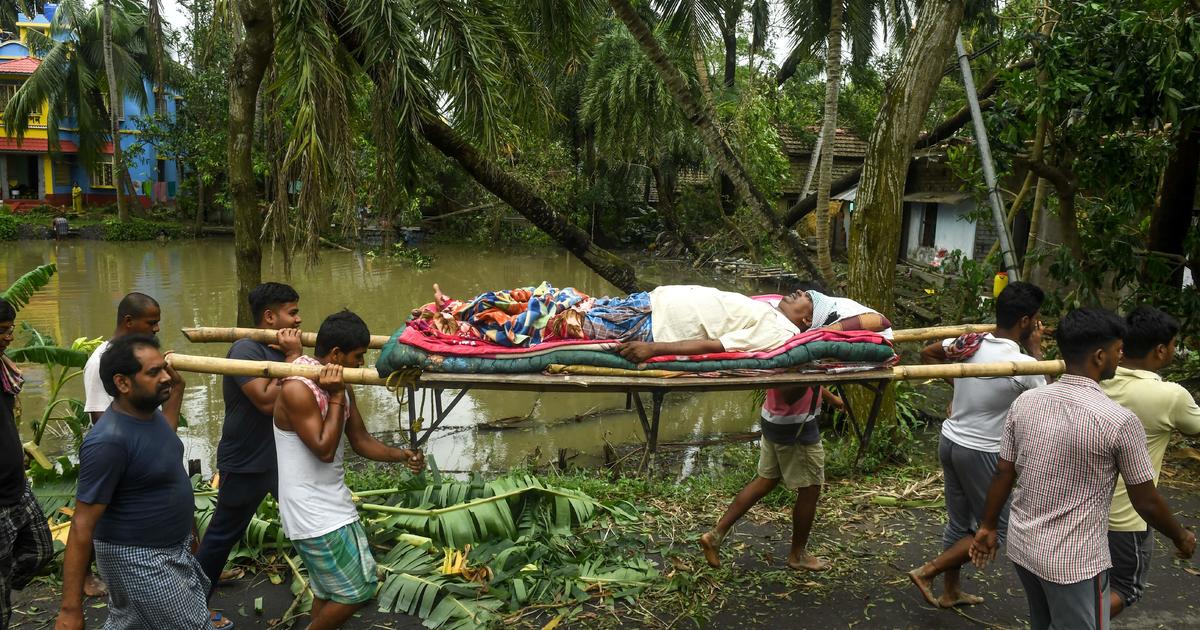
198	223
160	84
1172	216
875	223
608	265
833	81
246	69
668	211
720	151
114	103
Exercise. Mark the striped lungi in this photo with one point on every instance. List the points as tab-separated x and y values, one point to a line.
153	588
620	319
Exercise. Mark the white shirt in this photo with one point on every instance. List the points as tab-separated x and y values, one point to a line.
95	398
981	403
740	323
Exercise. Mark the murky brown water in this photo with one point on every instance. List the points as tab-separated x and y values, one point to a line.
195	284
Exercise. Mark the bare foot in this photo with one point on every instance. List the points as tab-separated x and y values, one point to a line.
924	584
93	587
218	621
962	599
711	547
808	562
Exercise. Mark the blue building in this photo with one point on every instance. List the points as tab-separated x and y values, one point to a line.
31	175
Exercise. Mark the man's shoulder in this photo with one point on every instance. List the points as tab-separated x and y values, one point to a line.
93	360
247	349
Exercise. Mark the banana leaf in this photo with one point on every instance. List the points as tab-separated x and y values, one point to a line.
49	355
23	289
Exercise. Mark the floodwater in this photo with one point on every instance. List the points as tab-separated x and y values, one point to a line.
195	283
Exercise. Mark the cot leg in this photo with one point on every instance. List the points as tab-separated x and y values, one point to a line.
412	415
879	388
650	427
628	401
849	406
440	413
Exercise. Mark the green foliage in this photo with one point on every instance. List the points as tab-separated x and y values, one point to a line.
63	364
404	253
22	290
8	227
139	230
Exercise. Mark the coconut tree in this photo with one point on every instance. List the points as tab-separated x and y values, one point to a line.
77	54
697	111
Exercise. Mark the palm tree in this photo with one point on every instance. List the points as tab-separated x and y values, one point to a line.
114	102
74	76
459	76
720	151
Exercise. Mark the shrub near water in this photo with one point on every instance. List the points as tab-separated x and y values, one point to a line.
8	227
138	230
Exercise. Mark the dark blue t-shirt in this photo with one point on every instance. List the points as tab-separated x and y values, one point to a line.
247	441
135	467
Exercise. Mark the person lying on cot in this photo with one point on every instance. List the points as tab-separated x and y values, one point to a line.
671	319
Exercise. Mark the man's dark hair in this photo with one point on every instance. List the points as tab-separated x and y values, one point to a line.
121	358
7	312
1085	330
343	330
1017	300
1148	328
135	305
269	296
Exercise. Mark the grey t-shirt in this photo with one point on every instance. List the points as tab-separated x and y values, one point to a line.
247	442
135	467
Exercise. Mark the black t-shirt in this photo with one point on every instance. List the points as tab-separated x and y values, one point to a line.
247	441
135	467
12	456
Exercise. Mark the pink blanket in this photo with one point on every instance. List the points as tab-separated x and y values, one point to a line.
453	346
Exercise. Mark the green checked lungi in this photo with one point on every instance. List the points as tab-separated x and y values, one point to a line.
340	566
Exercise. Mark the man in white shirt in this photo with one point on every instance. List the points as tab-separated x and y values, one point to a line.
688	319
137	314
970	440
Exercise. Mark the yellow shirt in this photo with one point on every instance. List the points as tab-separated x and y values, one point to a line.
1162	407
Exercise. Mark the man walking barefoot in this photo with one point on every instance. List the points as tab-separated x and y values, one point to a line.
970	438
313	421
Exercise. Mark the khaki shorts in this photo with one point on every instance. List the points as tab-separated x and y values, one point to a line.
800	465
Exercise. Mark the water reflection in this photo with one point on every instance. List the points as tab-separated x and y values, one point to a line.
195	284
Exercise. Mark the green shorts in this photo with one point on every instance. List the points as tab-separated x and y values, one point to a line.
800	465
340	566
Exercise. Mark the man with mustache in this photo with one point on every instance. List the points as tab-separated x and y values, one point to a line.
134	500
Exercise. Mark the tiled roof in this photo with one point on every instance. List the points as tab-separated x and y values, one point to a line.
800	142
35	145
20	66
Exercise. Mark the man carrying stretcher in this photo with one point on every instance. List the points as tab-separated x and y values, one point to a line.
669	320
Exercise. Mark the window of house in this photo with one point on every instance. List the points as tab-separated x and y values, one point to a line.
929	225
62	173
102	173
7	91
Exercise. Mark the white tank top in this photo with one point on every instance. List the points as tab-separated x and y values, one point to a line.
313	497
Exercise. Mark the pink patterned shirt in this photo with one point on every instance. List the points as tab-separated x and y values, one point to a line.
1067	442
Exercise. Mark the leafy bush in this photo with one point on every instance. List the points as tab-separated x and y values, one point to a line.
139	230
8	227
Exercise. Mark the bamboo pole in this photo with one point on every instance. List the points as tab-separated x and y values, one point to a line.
940	332
266	369
204	334
967	370
368	376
